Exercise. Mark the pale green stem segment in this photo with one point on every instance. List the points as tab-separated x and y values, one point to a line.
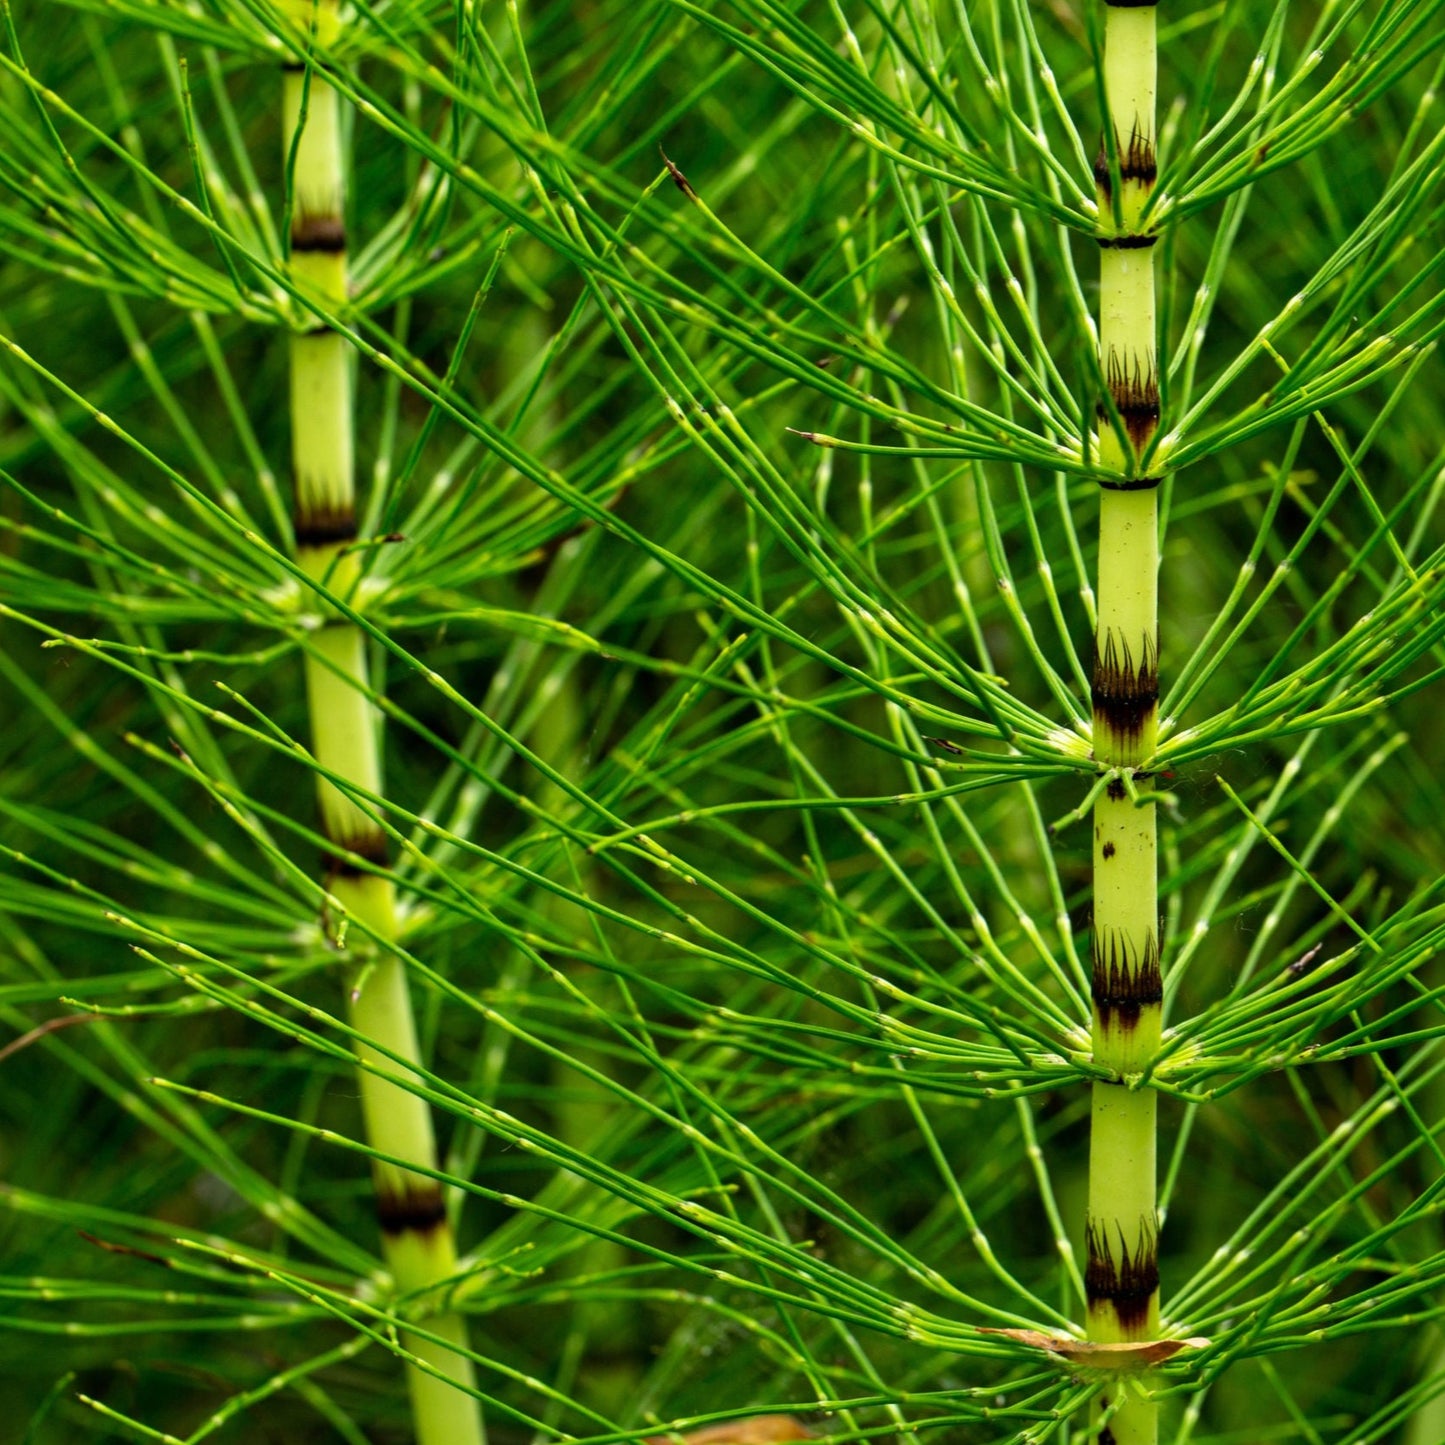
1122	1277
346	740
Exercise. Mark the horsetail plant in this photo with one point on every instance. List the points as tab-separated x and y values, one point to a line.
345	738
1127	987
726	578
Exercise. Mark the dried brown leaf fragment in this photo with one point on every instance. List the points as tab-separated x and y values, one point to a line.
1087	1355
756	1430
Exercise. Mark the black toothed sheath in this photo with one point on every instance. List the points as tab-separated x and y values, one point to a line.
1122	1276
345	738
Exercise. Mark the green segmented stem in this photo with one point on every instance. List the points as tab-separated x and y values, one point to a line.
345	736
1122	1276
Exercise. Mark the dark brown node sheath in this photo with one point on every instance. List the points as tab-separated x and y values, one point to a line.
1137	162
1124	693
370	845
325	234
1127	1281
1123	983
417	1210
1134	389
323	526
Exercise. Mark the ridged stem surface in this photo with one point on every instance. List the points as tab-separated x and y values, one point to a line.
345	738
1122	1276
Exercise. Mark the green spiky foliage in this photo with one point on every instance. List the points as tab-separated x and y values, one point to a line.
597	721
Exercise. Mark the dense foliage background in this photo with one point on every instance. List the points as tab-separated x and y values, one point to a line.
730	537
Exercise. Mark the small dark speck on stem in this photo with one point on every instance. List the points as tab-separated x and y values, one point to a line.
1302	964
679	180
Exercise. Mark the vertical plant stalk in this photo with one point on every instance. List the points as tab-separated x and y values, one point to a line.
585	1110
345	737
1122	1276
